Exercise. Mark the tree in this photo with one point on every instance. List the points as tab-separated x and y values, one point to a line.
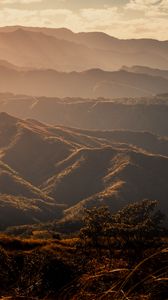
139	221
95	223
136	226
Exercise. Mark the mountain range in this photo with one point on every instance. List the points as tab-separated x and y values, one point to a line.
87	84
83	159
83	123
64	50
97	168
61	63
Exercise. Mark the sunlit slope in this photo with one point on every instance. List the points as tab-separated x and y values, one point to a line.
20	211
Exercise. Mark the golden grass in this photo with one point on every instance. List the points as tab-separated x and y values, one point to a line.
103	279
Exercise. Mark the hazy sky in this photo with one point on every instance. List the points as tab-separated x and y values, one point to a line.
120	18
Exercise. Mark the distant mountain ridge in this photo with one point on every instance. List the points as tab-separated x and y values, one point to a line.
61	63
146	70
135	114
92	83
55	48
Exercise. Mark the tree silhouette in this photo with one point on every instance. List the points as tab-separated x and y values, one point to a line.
136	226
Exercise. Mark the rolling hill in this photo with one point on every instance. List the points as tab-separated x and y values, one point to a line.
46	170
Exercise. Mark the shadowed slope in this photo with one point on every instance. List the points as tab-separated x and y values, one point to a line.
131	176
33	151
21	202
11	183
81	173
8	129
143	140
119	176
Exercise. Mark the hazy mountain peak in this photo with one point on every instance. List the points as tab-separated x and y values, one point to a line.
94	71
63	30
94	34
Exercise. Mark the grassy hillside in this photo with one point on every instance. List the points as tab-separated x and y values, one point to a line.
12	183
76	168
19	210
32	150
23	203
109	177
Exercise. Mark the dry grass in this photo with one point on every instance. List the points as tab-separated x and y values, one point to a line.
139	282
57	269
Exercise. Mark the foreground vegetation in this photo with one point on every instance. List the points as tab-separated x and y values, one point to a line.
114	256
